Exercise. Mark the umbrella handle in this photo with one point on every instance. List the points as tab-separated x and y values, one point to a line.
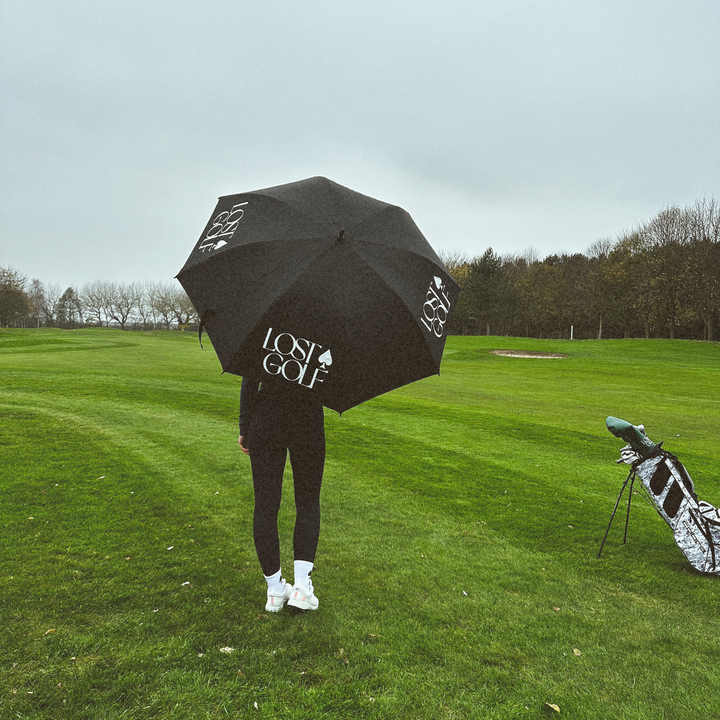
206	315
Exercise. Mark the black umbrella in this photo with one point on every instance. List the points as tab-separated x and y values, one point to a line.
313	285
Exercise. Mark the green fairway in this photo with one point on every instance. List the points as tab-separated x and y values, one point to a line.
457	571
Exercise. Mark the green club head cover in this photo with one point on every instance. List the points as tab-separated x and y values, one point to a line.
631	434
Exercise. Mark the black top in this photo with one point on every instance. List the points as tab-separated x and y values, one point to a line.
248	398
294	401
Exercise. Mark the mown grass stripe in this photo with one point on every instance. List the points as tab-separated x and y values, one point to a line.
451	581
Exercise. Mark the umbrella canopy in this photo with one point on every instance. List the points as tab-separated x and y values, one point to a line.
318	287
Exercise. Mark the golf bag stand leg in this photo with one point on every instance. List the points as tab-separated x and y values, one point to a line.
629	479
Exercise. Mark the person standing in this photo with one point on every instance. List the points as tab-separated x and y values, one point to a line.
274	422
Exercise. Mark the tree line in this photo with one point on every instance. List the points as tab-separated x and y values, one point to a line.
659	279
150	305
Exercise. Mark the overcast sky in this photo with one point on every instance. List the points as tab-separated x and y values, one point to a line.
512	124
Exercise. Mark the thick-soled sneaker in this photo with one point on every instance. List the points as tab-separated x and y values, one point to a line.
276	600
303	598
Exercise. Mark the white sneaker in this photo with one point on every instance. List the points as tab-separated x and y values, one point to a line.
303	598
276	600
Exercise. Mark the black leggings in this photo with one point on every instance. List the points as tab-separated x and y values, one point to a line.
276	428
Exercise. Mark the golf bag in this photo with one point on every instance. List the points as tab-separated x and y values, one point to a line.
668	486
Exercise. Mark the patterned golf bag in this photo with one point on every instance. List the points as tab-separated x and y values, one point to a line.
667	484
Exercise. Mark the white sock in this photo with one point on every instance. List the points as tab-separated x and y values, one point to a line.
303	568
275	582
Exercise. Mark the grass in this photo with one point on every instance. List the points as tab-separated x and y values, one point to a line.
457	570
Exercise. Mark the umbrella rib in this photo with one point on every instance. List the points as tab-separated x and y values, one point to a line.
417	321
298	209
430	255
299	269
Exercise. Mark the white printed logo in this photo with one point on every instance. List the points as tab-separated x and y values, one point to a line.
290	358
223	225
436	307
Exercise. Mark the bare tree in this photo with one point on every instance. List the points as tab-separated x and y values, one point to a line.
666	237
453	259
458	265
601	249
94	299
531	255
145	307
600	282
161	300
704	262
122	299
183	309
36	296
52	298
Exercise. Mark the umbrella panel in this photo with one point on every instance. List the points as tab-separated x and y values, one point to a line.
427	290
327	201
393	228
251	218
339	332
232	290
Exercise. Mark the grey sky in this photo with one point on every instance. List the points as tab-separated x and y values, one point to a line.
547	124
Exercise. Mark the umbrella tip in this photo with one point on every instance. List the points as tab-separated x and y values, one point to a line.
341	235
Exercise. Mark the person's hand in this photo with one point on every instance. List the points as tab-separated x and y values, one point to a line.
242	442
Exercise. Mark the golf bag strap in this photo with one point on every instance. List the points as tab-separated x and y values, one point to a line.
684	475
704	527
688	488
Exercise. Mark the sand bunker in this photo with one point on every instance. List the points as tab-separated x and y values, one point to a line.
528	354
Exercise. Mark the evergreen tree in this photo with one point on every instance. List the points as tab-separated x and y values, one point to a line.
69	313
14	303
